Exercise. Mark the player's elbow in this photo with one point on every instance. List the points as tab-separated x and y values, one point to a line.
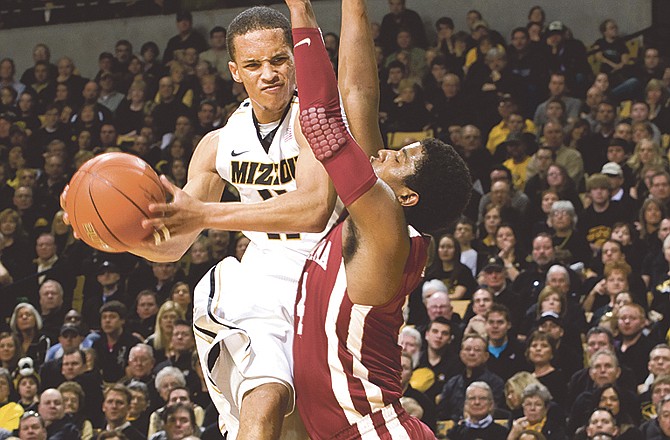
318	220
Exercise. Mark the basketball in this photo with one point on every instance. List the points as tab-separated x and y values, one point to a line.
108	198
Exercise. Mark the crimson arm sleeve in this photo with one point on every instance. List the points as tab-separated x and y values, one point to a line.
321	119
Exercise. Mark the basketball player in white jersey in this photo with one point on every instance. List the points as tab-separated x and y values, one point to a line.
243	312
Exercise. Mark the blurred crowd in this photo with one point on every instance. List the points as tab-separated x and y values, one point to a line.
557	273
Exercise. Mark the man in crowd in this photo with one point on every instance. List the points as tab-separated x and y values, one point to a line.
115	406
217	55
506	355
113	347
51	410
438	361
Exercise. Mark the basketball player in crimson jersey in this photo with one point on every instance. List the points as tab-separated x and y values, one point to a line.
243	314
349	306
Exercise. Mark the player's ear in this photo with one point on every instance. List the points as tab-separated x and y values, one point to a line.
408	197
234	71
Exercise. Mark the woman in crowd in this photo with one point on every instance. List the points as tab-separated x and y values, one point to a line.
656	95
634	250
647	154
26	324
615	282
624	407
181	295
10	351
540	414
447	267
540	352
166	380
543	222
569	245
160	339
74	403
485	245
651	214
509	250
579	132
514	391
132	110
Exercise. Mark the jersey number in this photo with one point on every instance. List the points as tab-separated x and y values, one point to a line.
266	194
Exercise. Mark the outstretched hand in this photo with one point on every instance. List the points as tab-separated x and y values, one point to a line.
66	218
183	215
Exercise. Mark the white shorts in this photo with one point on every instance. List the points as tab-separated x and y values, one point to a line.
244	334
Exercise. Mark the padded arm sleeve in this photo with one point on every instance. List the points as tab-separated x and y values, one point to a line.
321	119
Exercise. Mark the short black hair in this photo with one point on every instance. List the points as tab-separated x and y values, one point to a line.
256	19
523	30
216	29
150	45
443	183
115	306
395	64
446	21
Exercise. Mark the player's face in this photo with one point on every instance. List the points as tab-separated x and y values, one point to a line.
264	65
393	167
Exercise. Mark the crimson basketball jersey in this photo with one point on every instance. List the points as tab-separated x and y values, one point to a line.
346	356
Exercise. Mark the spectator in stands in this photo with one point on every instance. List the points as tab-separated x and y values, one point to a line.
494	277
659	428
409	393
411	342
217	54
399	18
110	97
168	314
558	90
505	352
51	308
615	173
115	407
635	346
186	37
623	406
601	425
169	108
74	404
412	56
182	345
179	420
71	336
478	159
138	412
596	221
512	122
58	424
473	354
524	60
10	350
32	427
168	379
108	277
447	267
477	420
438	361
659	365
142	321
33	217
612	52
650	398
568	158
7	72
451	108
593	148
514	391
540	352
113	348
540	414
566	55
26	324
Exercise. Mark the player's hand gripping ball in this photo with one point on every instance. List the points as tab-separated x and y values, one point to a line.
107	199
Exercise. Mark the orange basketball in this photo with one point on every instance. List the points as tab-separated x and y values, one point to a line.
108	198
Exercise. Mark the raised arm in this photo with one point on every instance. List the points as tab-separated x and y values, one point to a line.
357	76
378	219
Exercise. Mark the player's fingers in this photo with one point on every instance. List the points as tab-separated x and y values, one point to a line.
66	218
161	208
63	196
170	188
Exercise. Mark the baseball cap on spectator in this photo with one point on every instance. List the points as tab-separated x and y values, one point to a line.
184	15
108	266
550	316
479	23
555	27
494	264
70	328
612	169
513	138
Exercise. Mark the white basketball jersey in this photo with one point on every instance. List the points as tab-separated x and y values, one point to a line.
258	175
